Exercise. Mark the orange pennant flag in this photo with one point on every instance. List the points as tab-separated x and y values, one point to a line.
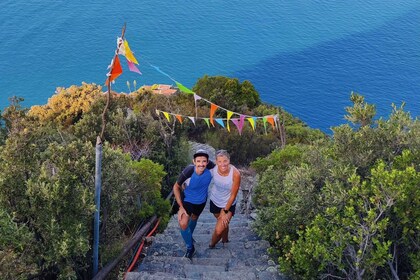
179	118
116	70
270	119
213	109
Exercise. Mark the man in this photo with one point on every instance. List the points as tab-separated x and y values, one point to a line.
197	179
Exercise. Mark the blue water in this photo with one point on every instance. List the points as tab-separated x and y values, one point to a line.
306	56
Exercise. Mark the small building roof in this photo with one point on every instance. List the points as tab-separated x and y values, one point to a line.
162	89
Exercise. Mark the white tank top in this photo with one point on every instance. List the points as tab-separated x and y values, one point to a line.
222	188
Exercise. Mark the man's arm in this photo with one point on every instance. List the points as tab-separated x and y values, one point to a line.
185	174
177	194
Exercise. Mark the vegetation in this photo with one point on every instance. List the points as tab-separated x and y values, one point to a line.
346	207
47	186
47	160
243	98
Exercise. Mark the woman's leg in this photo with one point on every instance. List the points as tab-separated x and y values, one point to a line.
221	230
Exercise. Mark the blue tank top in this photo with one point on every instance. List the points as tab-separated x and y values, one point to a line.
196	185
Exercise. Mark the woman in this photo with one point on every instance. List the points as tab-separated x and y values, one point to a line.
226	182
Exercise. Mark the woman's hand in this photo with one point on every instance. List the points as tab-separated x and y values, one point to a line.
225	218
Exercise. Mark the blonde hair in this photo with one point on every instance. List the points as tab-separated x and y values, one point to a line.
223	153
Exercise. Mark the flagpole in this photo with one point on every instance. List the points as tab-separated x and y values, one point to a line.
98	170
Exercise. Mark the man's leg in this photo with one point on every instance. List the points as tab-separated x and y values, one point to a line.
192	223
185	230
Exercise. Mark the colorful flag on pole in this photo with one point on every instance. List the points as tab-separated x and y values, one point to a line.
128	54
133	67
116	70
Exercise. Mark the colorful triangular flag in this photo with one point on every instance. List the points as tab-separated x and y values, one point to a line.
133	67
128	54
252	122
207	121
179	118
192	119
167	116
220	121
183	88
270	119
213	108
116	70
265	124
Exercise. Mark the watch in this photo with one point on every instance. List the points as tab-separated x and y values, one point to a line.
226	211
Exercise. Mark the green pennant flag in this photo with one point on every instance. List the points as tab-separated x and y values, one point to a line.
207	122
184	88
265	124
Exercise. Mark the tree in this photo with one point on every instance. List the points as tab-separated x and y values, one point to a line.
361	113
67	106
228	93
345	207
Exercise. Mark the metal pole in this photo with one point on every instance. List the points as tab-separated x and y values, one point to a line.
98	174
98	177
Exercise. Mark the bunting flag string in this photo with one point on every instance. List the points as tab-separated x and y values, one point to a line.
186	90
239	122
116	70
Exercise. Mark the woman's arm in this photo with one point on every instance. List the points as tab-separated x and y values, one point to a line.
235	188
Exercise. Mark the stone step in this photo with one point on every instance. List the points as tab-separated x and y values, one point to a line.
240	251
182	260
210	220
229	263
240	274
203	239
145	275
208	230
181	269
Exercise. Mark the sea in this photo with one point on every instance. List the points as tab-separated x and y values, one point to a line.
306	56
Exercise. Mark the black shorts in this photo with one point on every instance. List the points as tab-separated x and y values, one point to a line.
216	210
195	209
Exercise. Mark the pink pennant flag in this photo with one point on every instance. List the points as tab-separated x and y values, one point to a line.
239	123
133	67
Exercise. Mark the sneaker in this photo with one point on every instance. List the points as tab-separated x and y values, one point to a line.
190	253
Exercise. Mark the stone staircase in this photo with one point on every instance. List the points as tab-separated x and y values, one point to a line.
244	257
